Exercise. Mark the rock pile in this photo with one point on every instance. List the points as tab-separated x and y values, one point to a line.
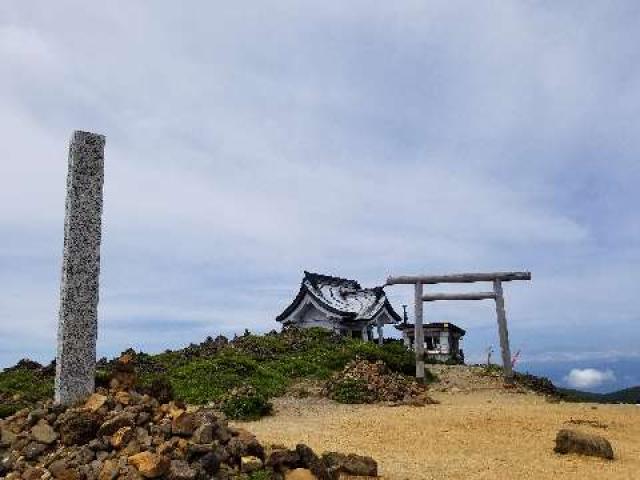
573	441
127	435
362	381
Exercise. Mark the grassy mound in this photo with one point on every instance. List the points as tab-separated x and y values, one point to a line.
21	386
264	365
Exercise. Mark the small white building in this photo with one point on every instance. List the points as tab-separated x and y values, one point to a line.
441	340
340	305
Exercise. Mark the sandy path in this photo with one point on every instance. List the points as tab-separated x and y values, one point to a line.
477	435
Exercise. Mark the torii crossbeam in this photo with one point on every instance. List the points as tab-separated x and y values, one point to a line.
497	278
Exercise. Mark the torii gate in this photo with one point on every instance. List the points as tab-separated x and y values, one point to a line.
497	278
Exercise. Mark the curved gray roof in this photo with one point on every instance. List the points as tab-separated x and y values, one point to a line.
342	296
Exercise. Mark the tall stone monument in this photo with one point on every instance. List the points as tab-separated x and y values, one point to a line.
78	321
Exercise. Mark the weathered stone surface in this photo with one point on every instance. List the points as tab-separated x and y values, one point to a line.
183	424
122	437
283	459
43	432
62	470
573	441
95	402
300	474
204	433
150	465
114	424
34	473
250	464
123	375
245	443
210	463
109	470
181	470
77	427
7	437
33	450
338	463
78	326
35	415
123	398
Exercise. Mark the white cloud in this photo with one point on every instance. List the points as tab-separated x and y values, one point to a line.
247	143
589	377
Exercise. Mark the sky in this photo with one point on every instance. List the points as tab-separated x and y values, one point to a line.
249	141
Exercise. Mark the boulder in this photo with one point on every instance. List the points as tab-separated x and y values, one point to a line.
114	424
150	465
7	437
243	444
33	450
204	433
283	459
210	463
123	397
122	437
181	470
338	463
183	424
310	460
95	402
62	470
43	432
77	428
123	376
573	441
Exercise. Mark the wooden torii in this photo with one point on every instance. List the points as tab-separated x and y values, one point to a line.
497	294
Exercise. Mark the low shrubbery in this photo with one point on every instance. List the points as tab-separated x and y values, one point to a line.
245	403
350	390
206	372
20	387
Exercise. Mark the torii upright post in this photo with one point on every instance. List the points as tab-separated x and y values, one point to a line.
503	332
419	333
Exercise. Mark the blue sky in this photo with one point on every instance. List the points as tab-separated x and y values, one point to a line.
249	141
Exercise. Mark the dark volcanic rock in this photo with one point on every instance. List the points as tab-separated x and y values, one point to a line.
573	441
111	426
77	427
283	459
210	462
338	463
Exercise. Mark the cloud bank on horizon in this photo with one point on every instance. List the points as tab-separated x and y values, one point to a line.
246	143
589	378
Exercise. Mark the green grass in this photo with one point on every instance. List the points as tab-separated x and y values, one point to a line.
352	391
20	388
267	363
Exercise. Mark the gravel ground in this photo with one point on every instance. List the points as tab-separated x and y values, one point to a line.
473	434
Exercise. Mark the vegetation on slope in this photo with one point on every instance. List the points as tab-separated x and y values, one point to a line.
241	374
628	395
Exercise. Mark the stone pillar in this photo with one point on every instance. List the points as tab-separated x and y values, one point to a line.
380	334
78	320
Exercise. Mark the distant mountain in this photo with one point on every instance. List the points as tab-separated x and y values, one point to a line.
628	395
